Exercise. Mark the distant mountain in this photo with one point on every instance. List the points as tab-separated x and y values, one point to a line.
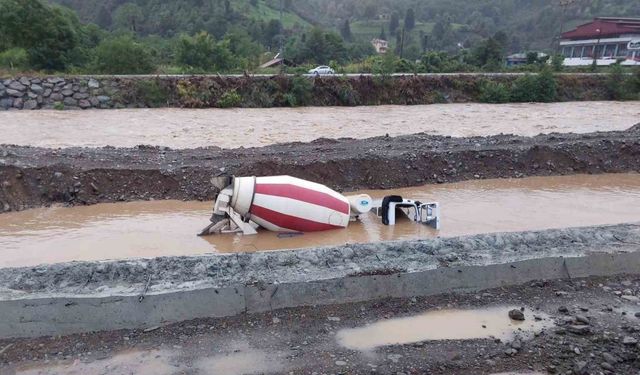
437	24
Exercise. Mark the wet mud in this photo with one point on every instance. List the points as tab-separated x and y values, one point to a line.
446	324
33	177
168	228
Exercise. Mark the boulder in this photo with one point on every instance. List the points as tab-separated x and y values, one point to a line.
6	103
80	95
69	101
30	104
14	93
37	89
15	85
93	84
25	81
84	104
104	99
516	314
57	97
18	103
46	93
67	92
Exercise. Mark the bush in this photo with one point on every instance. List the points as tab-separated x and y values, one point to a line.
494	92
192	95
122	55
635	82
524	89
300	92
229	99
557	62
621	86
347	95
535	88
152	93
14	59
547	90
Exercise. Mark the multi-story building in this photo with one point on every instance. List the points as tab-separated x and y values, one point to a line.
605	40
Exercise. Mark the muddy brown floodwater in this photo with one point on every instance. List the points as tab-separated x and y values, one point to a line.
163	228
443	325
190	128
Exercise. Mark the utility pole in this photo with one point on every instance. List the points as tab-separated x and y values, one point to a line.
402	41
564	4
595	49
281	51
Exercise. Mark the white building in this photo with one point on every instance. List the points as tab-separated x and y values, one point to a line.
605	40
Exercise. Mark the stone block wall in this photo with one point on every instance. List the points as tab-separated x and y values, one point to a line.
56	93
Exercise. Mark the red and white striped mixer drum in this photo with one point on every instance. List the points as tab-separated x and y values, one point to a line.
285	203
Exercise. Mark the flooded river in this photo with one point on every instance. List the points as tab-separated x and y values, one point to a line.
189	128
162	228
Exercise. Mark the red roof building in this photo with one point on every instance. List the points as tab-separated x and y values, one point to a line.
604	40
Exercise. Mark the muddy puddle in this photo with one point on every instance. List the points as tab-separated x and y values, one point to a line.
492	322
207	358
153	362
164	362
164	228
189	128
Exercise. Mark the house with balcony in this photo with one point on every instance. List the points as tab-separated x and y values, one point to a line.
381	46
604	40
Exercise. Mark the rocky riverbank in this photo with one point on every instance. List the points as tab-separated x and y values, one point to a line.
103	92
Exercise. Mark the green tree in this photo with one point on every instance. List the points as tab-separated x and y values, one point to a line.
370	11
196	53
532	57
488	53
316	46
345	31
382	35
394	23
243	47
410	19
48	34
122	55
201	53
129	16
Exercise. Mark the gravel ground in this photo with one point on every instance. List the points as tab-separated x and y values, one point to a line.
593	327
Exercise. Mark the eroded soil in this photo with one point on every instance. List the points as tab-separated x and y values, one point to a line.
33	177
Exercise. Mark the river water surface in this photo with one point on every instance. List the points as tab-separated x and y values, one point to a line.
232	128
165	228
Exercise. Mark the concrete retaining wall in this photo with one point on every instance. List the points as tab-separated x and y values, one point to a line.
65	315
513	259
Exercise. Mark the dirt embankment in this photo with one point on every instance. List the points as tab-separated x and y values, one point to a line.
80	92
32	177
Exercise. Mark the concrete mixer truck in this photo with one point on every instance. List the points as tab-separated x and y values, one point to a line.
290	204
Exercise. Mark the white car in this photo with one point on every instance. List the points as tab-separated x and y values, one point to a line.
321	70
